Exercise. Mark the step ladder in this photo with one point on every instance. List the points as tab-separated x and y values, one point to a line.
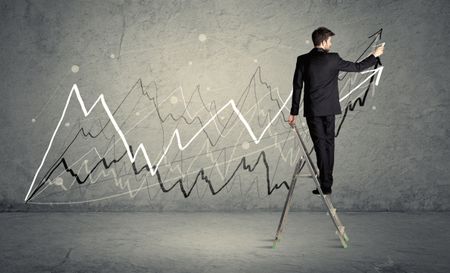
305	158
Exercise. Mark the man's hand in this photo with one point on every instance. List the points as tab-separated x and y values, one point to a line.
291	120
378	51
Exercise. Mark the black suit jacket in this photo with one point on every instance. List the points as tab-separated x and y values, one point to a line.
319	71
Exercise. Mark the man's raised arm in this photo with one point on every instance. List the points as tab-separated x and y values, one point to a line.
348	66
344	65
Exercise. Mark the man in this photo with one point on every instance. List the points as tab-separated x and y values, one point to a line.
319	70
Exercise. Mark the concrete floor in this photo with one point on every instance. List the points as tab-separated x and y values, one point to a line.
222	242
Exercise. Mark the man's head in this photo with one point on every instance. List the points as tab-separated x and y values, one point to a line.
321	37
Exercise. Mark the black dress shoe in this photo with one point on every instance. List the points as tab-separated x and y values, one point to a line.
324	191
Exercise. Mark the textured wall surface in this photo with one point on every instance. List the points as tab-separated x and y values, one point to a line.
159	67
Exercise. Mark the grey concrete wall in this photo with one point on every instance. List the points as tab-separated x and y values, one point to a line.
164	65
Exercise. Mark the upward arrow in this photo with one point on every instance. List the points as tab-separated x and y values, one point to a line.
377	71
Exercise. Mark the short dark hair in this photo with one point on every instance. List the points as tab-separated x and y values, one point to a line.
321	34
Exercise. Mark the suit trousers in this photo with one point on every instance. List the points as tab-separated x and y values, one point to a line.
321	130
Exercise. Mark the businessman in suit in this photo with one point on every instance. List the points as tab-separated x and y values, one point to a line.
318	70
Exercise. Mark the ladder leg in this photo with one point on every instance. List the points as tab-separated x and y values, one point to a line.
341	226
283	218
287	204
332	212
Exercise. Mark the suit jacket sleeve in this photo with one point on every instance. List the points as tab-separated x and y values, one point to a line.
297	85
344	65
